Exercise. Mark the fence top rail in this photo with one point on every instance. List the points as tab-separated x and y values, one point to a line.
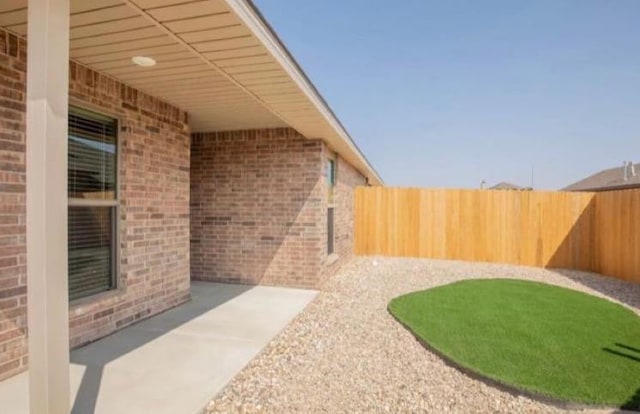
477	190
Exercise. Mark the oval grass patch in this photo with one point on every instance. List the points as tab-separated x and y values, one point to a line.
536	337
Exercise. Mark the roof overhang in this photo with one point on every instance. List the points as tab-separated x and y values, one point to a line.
216	59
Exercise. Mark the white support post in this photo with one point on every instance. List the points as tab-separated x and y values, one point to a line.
47	292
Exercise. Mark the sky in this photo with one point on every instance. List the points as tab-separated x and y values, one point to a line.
449	93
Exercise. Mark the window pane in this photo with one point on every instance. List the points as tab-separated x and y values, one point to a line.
330	237
331	180
91	250
331	173
92	156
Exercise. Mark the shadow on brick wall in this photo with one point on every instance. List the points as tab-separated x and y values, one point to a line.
256	208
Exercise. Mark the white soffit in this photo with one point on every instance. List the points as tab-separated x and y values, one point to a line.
216	59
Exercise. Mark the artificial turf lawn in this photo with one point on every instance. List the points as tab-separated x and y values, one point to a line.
541	338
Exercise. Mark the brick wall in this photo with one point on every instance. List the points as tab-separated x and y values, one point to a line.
256	208
258	211
13	279
347	179
154	206
259	208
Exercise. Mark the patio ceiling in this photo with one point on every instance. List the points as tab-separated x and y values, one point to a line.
216	59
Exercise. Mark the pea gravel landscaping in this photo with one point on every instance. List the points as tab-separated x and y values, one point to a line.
346	353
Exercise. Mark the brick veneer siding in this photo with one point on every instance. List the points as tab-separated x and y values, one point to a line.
256	208
154	206
347	179
13	279
259	208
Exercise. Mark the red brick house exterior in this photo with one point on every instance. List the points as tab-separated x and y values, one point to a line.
241	206
154	212
347	179
13	275
259	208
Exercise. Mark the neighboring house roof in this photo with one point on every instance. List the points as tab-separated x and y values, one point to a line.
506	186
609	179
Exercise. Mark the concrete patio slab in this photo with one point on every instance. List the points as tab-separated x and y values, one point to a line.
177	361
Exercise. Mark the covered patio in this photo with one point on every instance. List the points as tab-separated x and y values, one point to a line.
166	140
177	361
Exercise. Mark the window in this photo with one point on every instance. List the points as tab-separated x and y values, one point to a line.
93	202
331	180
331	184
330	236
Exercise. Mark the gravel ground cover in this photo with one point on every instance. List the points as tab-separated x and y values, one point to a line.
346	353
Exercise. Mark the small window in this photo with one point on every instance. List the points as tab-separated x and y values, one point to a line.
330	231
331	186
93	202
331	180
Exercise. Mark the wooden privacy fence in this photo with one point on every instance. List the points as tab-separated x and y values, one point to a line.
587	231
617	238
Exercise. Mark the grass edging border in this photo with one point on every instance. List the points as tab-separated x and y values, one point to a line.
502	386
